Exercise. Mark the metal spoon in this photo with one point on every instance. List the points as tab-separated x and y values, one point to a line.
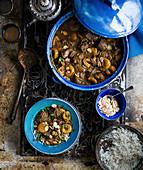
27	58
129	88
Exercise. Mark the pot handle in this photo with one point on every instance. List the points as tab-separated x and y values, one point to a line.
55	79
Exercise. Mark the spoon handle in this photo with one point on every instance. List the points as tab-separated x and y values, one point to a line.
129	88
14	110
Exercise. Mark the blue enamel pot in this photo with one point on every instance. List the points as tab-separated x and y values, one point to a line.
74	85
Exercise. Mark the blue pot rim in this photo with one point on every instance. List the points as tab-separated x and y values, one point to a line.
74	85
110	117
74	110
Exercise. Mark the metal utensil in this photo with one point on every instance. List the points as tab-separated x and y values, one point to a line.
27	58
127	89
44	10
6	7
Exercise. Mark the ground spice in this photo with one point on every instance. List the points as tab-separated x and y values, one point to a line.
12	34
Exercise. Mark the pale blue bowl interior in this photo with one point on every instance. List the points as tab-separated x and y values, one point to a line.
55	149
120	98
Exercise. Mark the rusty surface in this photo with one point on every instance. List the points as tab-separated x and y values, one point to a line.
11	138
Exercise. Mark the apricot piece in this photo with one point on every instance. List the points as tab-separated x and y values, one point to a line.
73	36
66	116
66	128
55	52
55	39
92	79
43	127
107	63
71	71
112	69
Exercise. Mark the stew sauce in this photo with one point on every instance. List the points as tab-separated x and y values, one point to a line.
83	57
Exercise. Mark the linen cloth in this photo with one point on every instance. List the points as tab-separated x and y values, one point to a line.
136	39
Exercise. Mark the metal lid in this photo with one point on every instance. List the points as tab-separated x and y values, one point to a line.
109	18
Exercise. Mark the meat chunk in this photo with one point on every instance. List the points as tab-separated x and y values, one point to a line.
84	47
91	36
57	112
66	53
81	81
67	60
80	68
102	45
72	54
43	116
47	134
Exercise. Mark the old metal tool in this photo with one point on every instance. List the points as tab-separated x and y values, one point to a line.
27	58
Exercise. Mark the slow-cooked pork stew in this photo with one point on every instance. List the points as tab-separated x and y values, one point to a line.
83	57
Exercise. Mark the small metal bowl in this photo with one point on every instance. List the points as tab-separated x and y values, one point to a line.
107	131
11	8
6	30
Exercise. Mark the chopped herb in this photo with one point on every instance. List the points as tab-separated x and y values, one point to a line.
60	59
65	119
117	50
74	130
46	109
62	138
38	136
51	114
57	114
41	137
63	127
50	131
45	116
43	110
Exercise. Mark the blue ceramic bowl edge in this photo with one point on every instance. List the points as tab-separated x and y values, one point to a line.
77	136
118	114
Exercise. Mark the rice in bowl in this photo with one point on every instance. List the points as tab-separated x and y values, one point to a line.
120	149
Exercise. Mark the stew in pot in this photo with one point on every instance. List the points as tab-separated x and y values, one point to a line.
83	57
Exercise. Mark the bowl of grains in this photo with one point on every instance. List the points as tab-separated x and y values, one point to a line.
120	147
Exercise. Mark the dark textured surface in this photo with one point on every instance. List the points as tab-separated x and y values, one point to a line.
39	85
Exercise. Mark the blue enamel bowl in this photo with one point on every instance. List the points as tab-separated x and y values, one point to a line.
121	101
74	85
53	149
